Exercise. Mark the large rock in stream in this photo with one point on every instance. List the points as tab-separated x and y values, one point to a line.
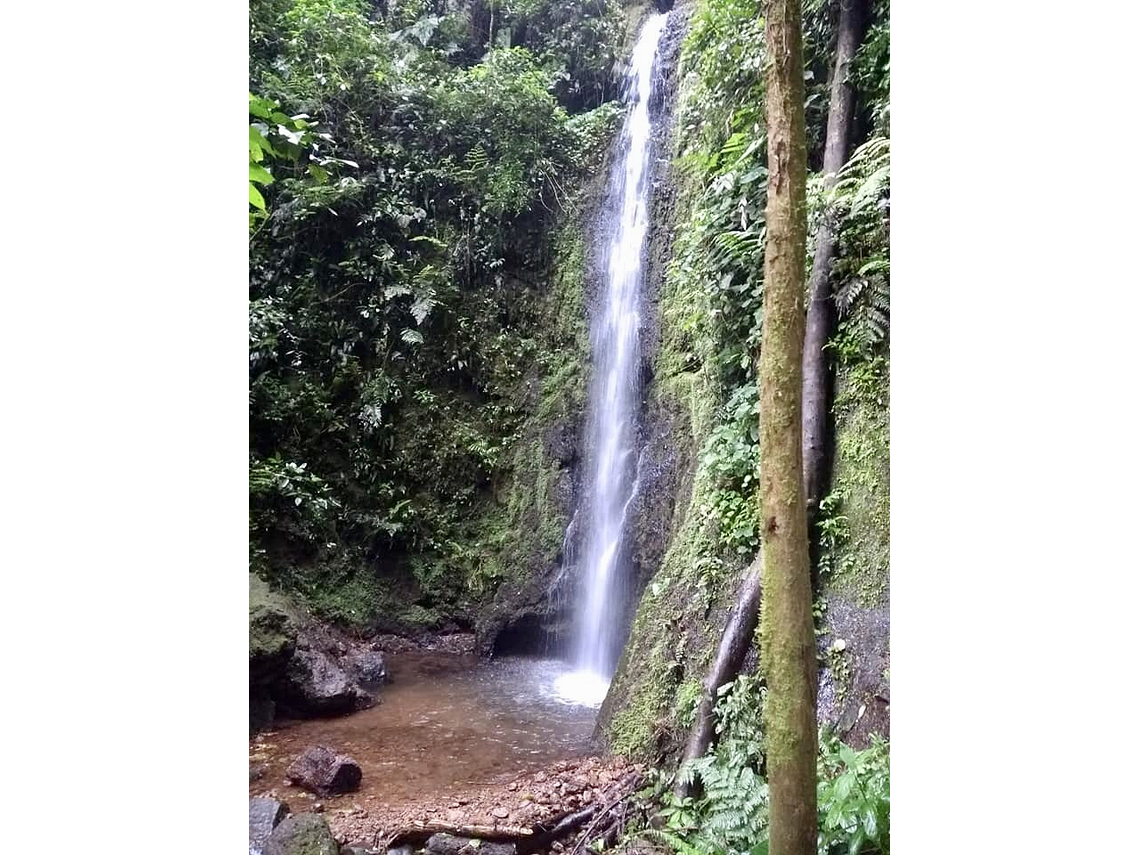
302	668
303	834
368	666
323	771
314	684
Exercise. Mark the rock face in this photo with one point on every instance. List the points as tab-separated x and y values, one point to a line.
265	814
303	834
323	771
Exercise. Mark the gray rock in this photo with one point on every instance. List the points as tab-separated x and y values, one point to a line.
406	849
321	770
303	834
369	666
265	814
449	844
315	684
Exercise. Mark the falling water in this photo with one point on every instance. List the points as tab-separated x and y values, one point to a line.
615	390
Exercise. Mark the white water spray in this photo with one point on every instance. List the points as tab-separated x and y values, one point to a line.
615	391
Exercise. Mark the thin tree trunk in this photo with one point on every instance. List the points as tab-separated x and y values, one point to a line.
787	648
821	308
734	644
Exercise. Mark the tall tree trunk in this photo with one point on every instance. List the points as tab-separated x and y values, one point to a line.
734	644
821	308
787	648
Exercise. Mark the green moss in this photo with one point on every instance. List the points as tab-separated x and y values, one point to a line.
688	696
518	525
861	480
271	631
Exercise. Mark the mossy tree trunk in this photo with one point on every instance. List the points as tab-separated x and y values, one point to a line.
787	647
821	306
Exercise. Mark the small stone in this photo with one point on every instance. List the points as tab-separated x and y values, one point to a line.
540	777
500	813
319	807
512	786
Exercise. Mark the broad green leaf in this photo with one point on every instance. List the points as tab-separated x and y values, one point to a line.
848	756
256	199
870	822
259	174
258	144
259	106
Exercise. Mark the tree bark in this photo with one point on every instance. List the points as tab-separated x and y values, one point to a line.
735	642
787	648
821	308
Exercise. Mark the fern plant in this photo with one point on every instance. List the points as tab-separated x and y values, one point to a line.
860	203
731	815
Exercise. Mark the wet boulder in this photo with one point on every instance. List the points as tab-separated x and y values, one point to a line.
302	834
321	770
314	684
368	665
265	814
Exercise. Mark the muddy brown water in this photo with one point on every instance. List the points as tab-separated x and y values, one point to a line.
445	724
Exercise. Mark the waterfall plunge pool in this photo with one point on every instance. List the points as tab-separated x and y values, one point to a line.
445	724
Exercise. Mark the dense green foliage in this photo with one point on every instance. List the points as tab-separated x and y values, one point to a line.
711	315
417	329
730	815
410	168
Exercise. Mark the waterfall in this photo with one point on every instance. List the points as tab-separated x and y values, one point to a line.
615	391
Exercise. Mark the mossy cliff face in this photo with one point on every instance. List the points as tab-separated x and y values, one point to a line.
521	528
698	531
854	689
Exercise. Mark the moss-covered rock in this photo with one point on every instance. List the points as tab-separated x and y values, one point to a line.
272	628
302	834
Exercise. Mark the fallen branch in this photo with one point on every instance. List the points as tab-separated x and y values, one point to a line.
527	839
418	834
734	646
604	812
